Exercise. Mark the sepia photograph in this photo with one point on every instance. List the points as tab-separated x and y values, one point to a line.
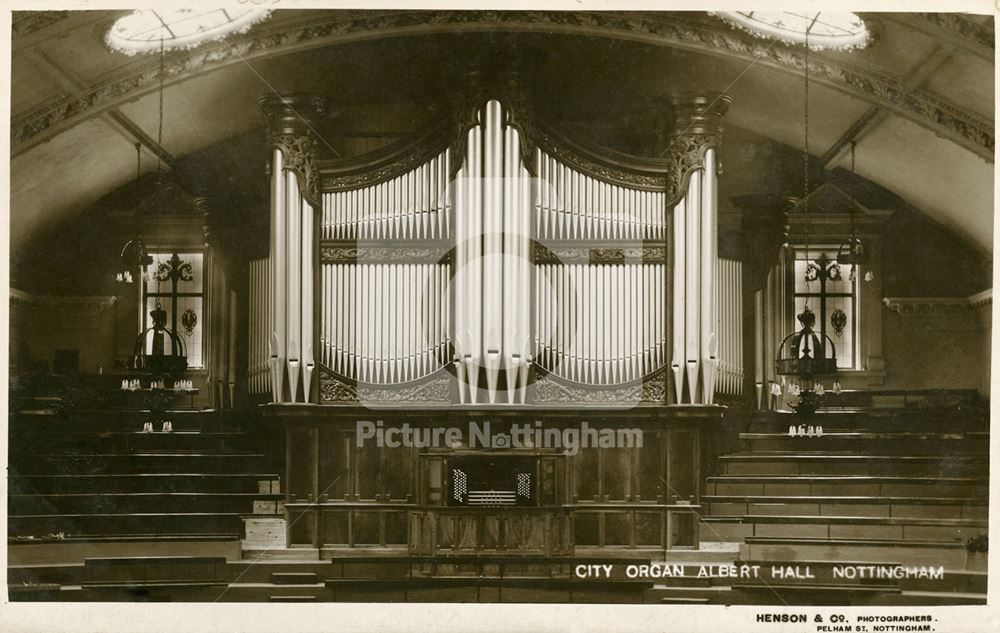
604	305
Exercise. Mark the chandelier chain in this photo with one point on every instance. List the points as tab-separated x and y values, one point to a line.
159	138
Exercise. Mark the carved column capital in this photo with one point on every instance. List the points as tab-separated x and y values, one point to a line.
292	126
697	127
230	231
766	226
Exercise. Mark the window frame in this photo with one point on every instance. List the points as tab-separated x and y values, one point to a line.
144	320
854	318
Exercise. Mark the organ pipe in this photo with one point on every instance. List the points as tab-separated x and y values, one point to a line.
602	322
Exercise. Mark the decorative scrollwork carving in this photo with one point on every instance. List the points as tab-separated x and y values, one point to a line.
333	389
382	254
518	109
551	389
612	255
652	388
436	389
687	153
299	158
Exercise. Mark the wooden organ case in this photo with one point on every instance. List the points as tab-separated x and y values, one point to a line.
493	273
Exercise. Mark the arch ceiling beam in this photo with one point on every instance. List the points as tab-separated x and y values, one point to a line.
299	31
125	126
876	115
954	29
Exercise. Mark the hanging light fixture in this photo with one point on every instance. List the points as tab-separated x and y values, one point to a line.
134	259
158	348
806	355
133	256
853	252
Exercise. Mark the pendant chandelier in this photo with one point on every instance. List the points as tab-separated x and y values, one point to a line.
806	355
853	251
133	256
134	259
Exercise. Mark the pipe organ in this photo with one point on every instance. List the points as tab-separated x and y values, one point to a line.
385	323
414	205
773	319
258	364
492	276
504	265
494	261
729	317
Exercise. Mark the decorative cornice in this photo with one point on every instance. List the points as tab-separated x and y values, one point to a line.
78	305
585	162
701	34
25	23
938	305
957	23
394	160
55	312
698	128
954	28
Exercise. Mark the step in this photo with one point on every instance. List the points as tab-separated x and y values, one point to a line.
861	506
261	570
679	600
840	527
827	463
264	532
74	550
121	570
58	424
812	595
950	555
137	503
140	482
839	573
293	599
860	420
930	598
114	463
914	443
158	441
803	485
911	578
119	524
59	574
294	578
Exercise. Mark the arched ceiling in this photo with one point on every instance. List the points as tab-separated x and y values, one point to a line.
918	101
